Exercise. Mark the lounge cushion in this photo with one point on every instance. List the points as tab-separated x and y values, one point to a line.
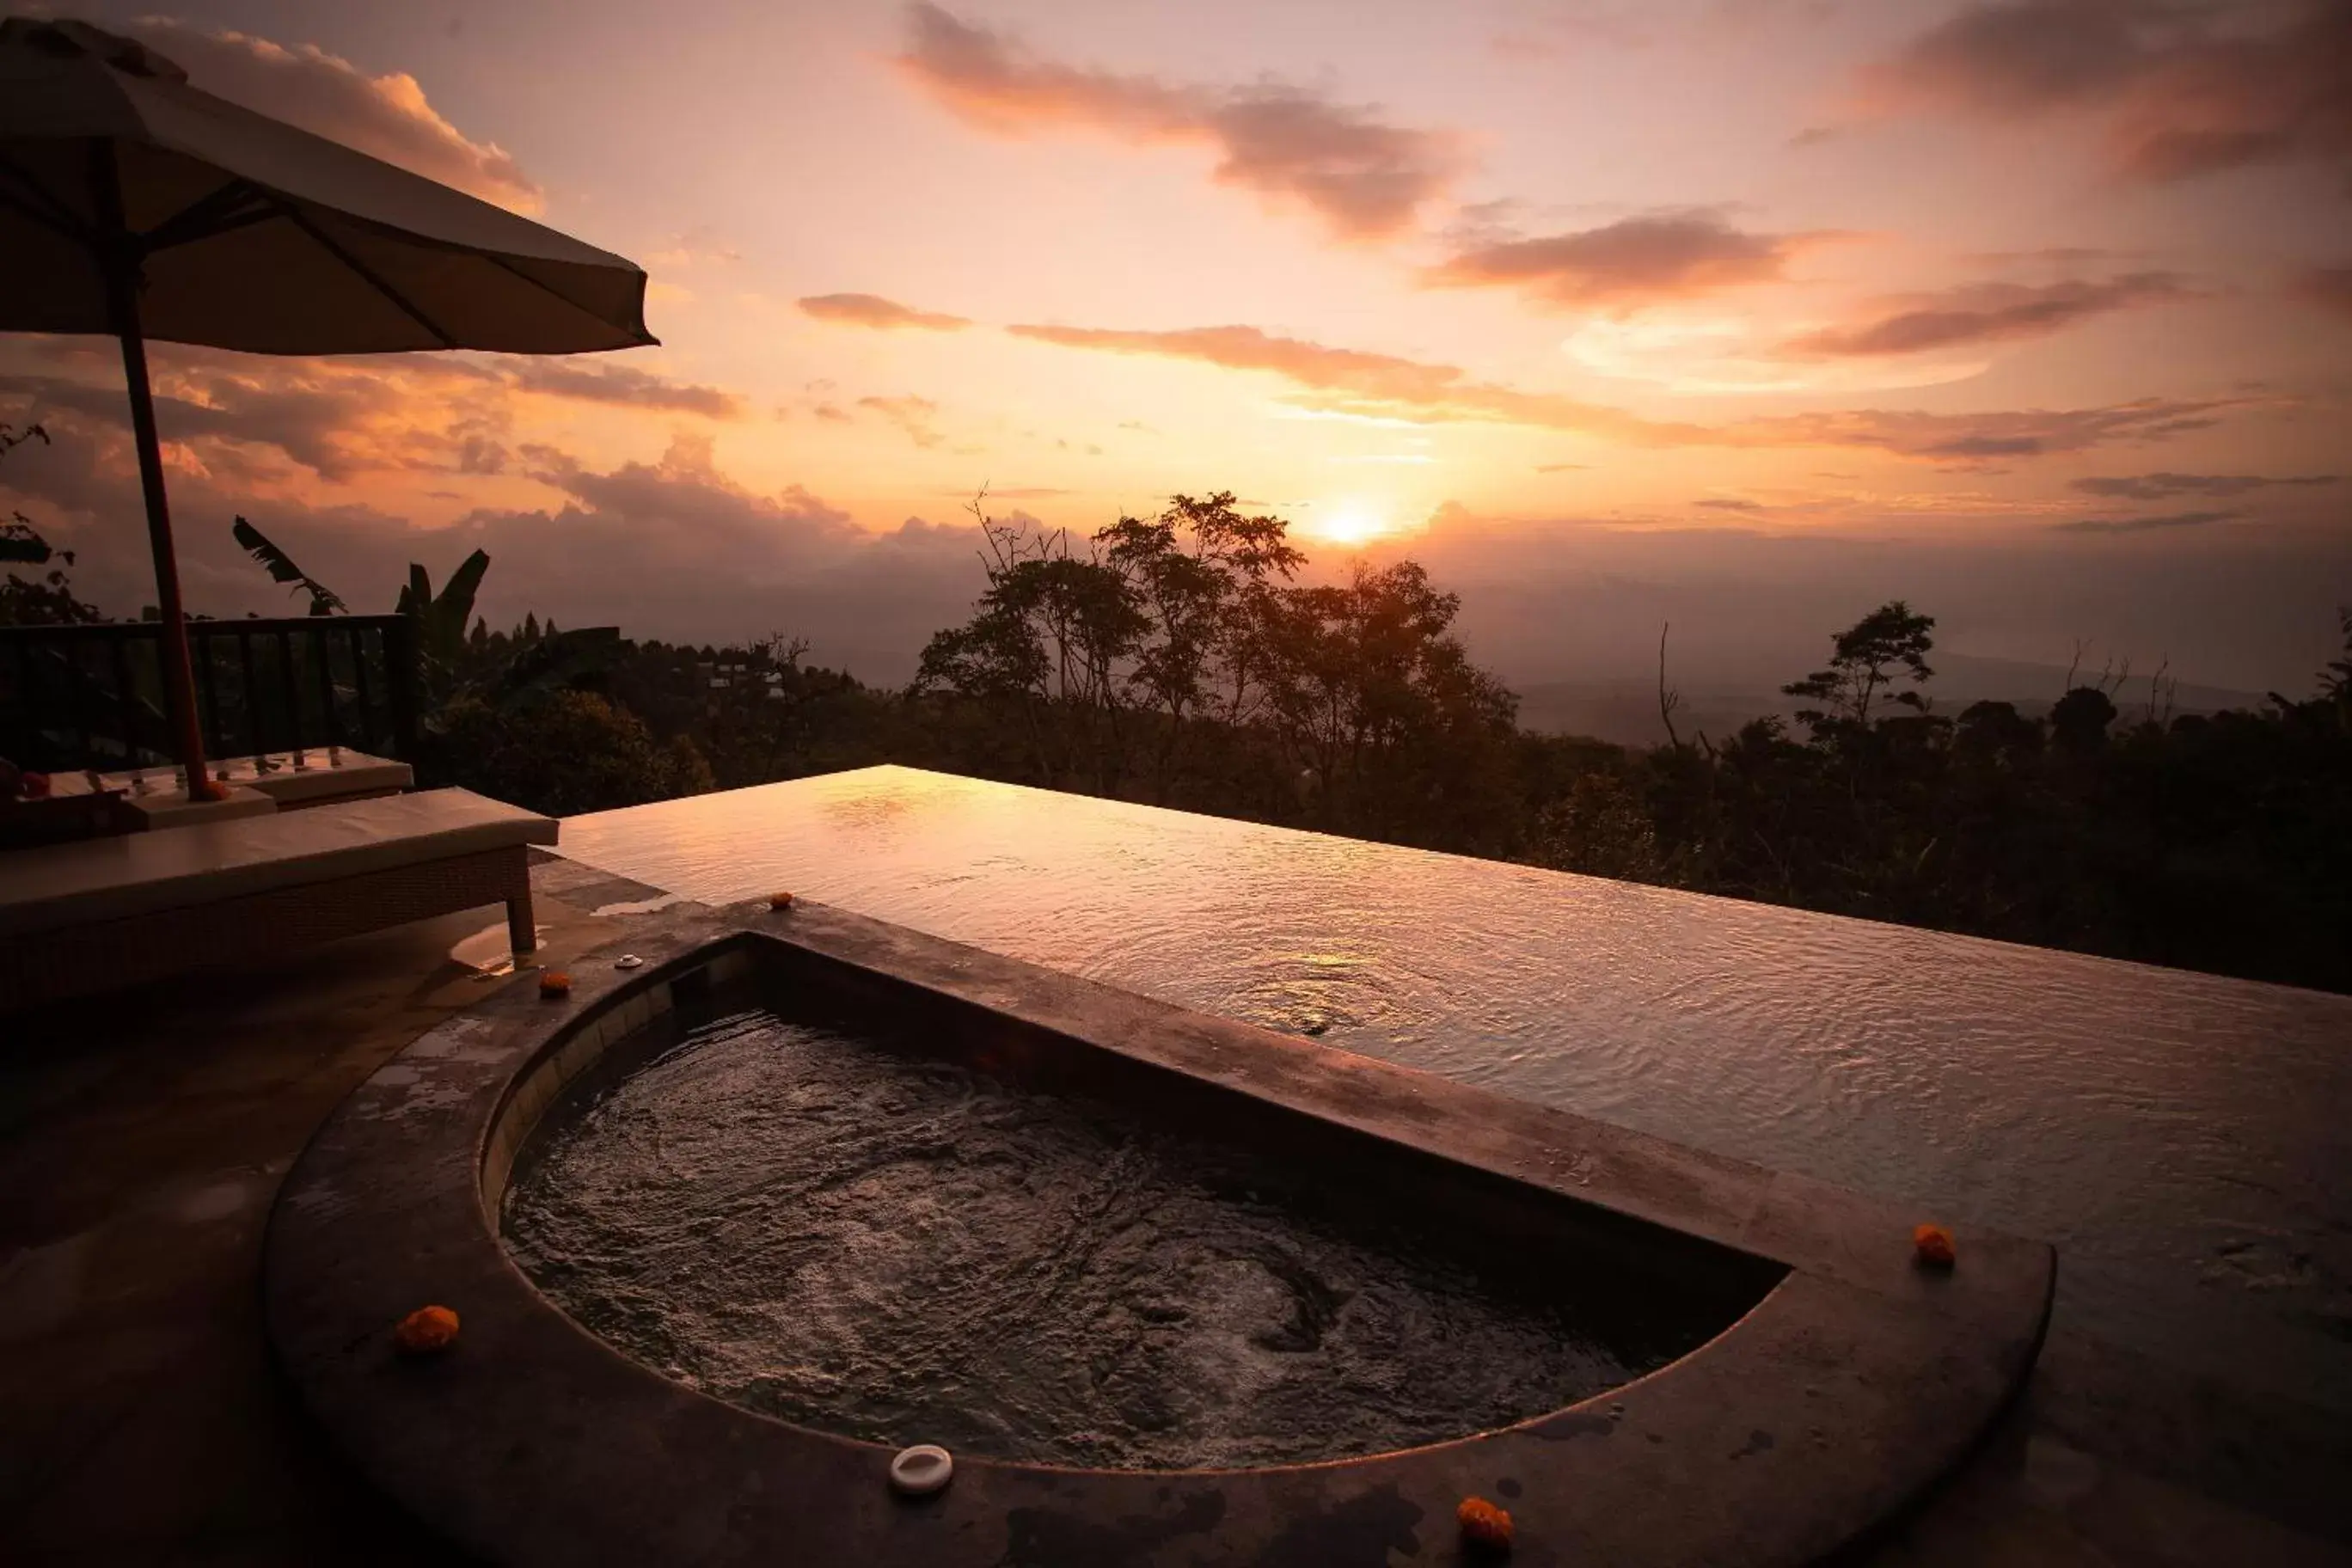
182	867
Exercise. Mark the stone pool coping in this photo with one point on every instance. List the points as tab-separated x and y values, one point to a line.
1834	1403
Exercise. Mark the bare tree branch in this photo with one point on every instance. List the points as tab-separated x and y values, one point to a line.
1668	697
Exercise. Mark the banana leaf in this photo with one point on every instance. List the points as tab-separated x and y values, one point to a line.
324	601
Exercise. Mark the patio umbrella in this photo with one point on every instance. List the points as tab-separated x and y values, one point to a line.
138	206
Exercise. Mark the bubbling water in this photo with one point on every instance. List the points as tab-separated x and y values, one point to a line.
856	1238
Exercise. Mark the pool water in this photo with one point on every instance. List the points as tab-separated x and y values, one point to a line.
2186	1141
830	1225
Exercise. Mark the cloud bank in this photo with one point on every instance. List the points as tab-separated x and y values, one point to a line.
1384	385
873	311
2160	486
1364	176
1353	381
916	418
387	117
266	420
621	384
2178	91
1985	313
675	549
1632	262
2145	524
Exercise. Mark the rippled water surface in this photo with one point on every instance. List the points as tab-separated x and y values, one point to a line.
2186	1141
827	1229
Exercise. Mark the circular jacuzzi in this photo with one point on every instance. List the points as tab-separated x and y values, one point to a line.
727	1231
842	1221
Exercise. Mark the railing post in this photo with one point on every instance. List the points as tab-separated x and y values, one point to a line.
126	710
295	743
201	643
78	703
362	692
249	693
321	644
401	679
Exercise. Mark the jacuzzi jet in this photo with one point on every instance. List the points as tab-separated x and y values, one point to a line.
921	1470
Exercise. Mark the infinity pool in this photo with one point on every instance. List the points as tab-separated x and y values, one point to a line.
2184	1140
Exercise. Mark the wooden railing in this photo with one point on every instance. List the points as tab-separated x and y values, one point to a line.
91	697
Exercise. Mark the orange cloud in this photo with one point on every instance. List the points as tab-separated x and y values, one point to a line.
873	311
337	427
677	548
386	116
1363	177
1970	439
1986	313
342	420
2177	94
2145	524
1385	386
914	415
2157	487
1247	348
1354	381
1633	261
621	383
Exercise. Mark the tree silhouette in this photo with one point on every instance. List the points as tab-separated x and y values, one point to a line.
2336	680
2079	721
1866	659
1200	574
46	600
1051	641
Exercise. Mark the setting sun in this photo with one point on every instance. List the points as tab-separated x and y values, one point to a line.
1349	523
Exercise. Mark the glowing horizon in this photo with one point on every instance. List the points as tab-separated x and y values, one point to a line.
1406	279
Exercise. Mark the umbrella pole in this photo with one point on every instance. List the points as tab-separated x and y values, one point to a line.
179	676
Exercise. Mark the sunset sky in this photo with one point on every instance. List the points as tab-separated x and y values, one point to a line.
1740	313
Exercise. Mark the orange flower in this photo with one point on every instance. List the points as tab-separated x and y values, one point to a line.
425	1331
1931	1246
780	900
554	985
1484	1524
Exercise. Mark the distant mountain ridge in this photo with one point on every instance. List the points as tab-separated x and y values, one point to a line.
1626	712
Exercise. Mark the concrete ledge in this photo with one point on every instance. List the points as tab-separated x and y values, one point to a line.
133	874
1835	1403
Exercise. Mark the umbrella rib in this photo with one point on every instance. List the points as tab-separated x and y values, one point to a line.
33	199
215	214
374	280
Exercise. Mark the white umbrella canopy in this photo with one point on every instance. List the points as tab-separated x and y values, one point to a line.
136	205
257	235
